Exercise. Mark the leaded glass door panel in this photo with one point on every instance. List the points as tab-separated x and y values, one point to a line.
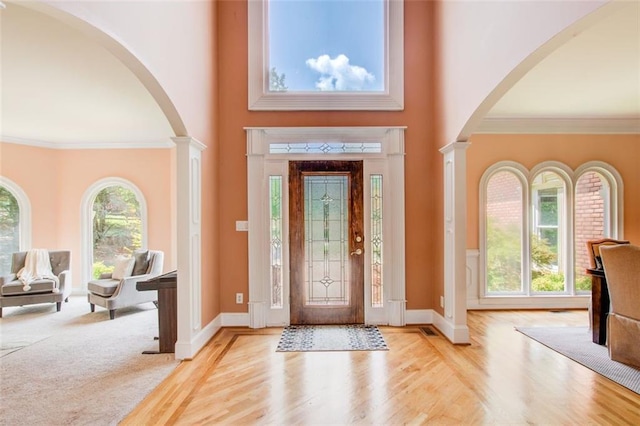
326	242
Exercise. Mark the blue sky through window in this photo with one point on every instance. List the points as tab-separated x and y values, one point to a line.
328	45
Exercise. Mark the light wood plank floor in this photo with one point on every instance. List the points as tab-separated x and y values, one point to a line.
502	377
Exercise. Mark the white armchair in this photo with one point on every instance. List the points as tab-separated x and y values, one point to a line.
112	293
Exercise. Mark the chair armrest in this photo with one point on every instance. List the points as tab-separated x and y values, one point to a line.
64	278
7	279
127	285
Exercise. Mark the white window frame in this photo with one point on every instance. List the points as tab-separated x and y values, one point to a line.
569	299
565	220
261	99
24	206
87	220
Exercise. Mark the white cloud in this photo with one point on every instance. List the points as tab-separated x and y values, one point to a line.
338	74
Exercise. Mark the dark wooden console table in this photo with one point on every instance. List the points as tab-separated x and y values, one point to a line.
167	286
600	304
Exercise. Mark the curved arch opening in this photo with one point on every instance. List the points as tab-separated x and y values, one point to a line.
122	52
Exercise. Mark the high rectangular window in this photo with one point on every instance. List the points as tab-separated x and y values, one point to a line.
326	55
320	45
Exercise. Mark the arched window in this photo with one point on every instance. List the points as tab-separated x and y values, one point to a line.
596	213
114	224
534	226
117	227
504	208
15	222
550	229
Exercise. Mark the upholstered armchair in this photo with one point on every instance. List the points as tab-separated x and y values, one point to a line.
53	288
622	271
115	291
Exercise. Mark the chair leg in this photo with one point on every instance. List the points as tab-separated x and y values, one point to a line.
58	306
0	312
112	313
93	307
66	300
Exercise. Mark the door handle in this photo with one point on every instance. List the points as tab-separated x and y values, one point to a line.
358	252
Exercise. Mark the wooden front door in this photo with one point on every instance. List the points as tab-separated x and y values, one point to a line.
326	242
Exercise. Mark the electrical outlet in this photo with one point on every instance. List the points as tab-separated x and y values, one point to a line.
442	301
239	297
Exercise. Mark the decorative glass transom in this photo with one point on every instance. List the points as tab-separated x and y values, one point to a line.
327	247
376	242
275	239
326	148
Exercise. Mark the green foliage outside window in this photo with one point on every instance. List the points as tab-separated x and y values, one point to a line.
117	227
9	229
583	283
504	261
276	81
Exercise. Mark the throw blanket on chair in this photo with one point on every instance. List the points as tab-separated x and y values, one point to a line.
37	266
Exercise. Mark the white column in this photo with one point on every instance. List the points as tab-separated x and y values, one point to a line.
258	297
189	243
455	236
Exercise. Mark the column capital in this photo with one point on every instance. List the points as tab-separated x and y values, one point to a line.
454	146
188	140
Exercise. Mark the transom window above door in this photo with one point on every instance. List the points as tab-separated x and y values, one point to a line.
326	55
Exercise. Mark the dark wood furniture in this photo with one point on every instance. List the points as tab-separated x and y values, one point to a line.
600	304
167	286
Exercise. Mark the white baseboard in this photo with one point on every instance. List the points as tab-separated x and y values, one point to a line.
235	319
187	350
457	334
532	302
419	316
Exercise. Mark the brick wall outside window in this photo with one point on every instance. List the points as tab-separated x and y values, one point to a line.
589	216
504	198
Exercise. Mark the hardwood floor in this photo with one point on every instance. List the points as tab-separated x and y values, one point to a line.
502	377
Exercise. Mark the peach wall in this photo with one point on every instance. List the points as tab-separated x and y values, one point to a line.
423	260
211	203
55	192
620	151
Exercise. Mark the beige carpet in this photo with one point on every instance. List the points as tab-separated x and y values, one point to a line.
575	343
75	367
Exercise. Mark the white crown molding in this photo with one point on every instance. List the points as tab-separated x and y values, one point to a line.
151	144
548	125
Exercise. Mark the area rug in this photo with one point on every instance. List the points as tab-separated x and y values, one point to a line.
575	343
75	367
302	338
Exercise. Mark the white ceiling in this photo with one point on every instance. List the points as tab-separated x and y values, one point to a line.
61	89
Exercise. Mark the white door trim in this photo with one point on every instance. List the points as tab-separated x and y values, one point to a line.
262	162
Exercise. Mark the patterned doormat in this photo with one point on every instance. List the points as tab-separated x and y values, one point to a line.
303	338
